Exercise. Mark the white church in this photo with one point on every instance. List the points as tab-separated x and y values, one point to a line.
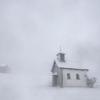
66	76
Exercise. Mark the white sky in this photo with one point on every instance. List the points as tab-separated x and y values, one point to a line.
31	32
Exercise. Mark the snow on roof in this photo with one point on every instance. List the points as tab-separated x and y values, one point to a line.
66	65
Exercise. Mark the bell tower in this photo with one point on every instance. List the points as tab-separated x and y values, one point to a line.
61	56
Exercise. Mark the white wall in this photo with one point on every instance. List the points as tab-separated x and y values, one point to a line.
73	81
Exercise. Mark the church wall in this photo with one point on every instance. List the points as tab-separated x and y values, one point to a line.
60	77
73	81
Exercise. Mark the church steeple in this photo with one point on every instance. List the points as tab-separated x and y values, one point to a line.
61	56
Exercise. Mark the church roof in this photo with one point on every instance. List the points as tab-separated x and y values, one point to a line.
66	65
75	69
61	63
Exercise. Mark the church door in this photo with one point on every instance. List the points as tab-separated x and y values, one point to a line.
54	80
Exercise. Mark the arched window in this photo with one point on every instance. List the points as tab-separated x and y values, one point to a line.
77	77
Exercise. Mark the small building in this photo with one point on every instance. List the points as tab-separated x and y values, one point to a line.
63	75
4	68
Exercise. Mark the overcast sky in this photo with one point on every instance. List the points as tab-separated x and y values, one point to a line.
31	32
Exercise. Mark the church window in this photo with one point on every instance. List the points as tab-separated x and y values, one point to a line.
68	76
77	77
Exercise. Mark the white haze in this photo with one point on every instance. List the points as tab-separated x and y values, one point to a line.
31	32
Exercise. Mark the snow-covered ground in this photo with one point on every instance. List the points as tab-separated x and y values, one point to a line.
24	87
31	32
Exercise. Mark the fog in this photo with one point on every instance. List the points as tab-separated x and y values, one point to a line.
31	32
